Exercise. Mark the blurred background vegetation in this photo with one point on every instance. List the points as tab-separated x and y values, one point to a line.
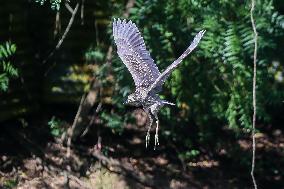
41	88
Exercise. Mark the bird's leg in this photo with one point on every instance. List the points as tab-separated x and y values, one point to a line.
157	129
154	110
149	129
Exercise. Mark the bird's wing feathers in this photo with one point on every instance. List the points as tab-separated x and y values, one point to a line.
156	86
133	53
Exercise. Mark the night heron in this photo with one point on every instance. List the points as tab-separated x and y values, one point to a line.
145	73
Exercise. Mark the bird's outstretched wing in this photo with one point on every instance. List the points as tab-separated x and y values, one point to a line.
157	85
133	53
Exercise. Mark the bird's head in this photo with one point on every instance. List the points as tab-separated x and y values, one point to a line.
132	100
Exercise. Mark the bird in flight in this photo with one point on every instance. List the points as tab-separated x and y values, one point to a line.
147	78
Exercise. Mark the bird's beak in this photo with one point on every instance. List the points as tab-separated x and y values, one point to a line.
125	102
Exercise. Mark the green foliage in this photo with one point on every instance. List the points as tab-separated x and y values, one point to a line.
55	4
113	121
11	183
213	85
189	155
7	69
215	81
56	126
94	55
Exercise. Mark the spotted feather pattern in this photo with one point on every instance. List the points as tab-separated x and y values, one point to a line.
133	53
156	86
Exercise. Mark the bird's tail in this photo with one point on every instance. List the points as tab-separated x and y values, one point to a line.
168	103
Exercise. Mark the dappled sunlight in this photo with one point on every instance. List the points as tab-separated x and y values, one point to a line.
138	94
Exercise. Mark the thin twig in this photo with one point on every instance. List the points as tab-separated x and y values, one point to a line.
65	32
82	12
68	27
57	28
253	93
92	120
69	8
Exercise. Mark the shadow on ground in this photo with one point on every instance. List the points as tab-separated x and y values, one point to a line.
37	160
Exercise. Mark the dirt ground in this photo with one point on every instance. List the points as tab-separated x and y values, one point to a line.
36	160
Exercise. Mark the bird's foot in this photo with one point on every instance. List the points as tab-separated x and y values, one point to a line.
156	141
147	139
157	135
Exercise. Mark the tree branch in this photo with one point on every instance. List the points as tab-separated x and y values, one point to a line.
73	12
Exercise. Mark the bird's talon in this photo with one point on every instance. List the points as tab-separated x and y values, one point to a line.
156	141
147	139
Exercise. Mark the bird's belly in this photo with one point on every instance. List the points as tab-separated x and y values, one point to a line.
150	100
